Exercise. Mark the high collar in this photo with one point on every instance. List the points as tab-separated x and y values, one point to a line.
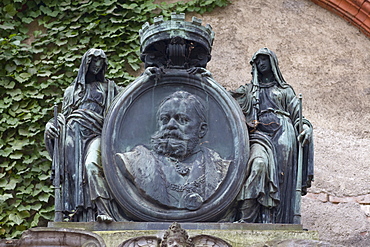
268	84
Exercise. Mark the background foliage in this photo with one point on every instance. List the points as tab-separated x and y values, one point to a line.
41	46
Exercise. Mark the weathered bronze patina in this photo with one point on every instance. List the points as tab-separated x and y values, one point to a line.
174	145
272	113
84	191
175	142
225	141
175	170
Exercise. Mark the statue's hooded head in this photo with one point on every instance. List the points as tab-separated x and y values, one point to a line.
85	63
274	67
80	81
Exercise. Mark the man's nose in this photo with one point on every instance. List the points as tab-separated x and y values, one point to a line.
172	124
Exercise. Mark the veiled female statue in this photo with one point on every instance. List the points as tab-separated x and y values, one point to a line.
84	191
271	109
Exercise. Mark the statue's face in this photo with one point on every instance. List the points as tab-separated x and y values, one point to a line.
263	64
176	242
96	64
176	115
180	129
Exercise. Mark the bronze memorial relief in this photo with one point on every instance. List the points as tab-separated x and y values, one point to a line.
177	171
174	145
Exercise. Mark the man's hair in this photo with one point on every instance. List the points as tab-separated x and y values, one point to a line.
189	99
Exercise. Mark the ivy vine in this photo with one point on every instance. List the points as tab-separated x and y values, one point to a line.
41	45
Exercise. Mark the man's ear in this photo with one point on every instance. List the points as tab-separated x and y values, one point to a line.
203	128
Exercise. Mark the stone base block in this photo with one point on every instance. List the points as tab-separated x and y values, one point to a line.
131	234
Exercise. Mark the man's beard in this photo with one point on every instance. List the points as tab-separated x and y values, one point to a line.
173	143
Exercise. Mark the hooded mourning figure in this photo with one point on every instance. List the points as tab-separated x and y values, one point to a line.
84	192
271	109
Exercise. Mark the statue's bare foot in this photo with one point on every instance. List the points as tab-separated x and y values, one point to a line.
104	218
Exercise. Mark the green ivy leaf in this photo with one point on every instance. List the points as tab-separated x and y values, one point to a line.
26	191
44	73
27	20
44	197
15	218
10	67
14	92
16	155
8	85
10	185
5	197
35	220
61	42
25	75
5	152
10	10
35	14
7	26
37	206
24	213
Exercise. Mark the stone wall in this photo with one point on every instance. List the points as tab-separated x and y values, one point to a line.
326	59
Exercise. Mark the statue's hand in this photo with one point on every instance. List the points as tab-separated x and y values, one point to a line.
199	70
305	136
154	72
104	218
51	131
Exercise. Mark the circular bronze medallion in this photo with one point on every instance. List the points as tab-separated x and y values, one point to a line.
155	171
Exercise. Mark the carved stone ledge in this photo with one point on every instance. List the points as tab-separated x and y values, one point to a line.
148	234
45	237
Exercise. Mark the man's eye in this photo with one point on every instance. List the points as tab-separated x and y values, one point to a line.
164	120
183	120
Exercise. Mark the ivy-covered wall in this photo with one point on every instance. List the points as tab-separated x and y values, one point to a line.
41	45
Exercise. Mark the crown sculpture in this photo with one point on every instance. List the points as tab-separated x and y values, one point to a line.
176	43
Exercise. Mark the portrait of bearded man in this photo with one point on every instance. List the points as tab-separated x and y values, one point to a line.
176	170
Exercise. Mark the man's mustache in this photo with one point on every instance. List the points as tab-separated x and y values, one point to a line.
170	142
170	134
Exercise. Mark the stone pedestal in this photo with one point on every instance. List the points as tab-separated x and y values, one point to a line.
236	234
94	234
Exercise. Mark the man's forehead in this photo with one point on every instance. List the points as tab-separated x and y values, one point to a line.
177	104
175	101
